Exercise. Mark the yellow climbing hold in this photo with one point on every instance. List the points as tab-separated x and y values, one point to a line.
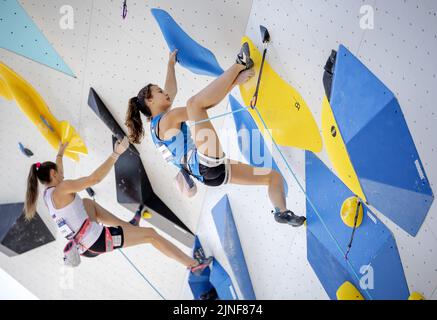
283	109
349	210
337	151
347	291
14	87
146	215
416	296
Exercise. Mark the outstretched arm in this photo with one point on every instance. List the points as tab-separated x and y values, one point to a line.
59	156
170	82
73	186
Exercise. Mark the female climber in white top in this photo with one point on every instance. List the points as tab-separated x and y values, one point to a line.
96	226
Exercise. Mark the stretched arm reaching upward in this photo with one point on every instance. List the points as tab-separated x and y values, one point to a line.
59	162
77	185
170	82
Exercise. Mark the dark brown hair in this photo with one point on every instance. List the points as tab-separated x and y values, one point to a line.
137	105
38	172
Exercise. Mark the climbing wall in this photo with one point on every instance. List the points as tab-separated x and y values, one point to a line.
116	57
399	50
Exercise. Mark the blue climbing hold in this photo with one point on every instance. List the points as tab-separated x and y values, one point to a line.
28	153
199	284
222	282
379	144
373	266
230	241
191	55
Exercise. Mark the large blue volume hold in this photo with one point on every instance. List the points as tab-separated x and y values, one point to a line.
191	55
328	238
379	144
222	283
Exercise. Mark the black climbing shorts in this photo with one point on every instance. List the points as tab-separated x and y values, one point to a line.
99	246
215	176
214	171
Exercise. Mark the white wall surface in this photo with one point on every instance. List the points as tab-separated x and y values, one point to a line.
117	57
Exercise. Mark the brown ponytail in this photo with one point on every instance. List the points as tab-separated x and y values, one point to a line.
137	105
31	194
38	172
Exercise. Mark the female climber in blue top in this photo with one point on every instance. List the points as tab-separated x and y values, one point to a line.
200	154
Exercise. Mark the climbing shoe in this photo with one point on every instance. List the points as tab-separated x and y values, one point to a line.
244	57
203	264
288	217
199	255
210	295
137	217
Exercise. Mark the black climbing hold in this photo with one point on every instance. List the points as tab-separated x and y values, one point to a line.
90	192
333	131
265	35
17	235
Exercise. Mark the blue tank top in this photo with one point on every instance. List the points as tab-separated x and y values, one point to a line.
175	149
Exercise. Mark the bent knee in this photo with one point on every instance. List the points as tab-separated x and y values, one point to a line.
195	104
274	175
192	102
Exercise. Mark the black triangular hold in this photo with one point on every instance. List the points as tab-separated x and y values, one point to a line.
100	109
265	35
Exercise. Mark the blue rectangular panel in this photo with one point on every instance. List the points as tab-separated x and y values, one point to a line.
230	241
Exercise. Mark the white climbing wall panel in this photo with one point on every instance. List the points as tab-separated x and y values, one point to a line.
118	56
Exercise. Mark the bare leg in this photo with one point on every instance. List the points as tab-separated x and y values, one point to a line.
135	235
205	136
217	90
99	214
244	174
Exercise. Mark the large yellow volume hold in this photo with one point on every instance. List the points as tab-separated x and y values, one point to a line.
283	109
416	296
337	152
347	291
14	87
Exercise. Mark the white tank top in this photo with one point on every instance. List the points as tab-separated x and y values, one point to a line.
70	218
